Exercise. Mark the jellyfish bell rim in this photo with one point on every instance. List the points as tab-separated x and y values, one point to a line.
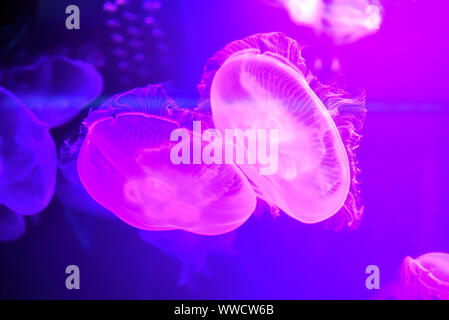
285	65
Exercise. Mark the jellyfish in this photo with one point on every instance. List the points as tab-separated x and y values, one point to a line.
125	164
426	277
12	225
55	88
27	158
344	21
261	82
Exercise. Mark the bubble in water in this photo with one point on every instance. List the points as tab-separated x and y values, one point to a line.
426	277
27	158
262	82
55	88
124	164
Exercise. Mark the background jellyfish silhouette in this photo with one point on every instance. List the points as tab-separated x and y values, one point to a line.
264	80
27	158
124	163
55	88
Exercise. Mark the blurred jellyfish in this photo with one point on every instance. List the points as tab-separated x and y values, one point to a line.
344	21
55	88
27	158
124	163
261	82
191	250
12	225
426	277
136	46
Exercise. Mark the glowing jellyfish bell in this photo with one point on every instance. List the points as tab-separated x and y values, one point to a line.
261	82
55	88
124	163
27	158
426	277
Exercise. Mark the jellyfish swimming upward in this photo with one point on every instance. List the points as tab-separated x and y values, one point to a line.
125	165
55	88
27	158
261	82
426	277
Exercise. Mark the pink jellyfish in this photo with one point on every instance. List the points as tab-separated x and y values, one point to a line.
261	82
344	21
55	88
27	158
125	165
426	277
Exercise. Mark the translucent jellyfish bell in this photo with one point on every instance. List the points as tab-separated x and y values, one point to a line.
55	88
27	158
124	163
260	83
426	277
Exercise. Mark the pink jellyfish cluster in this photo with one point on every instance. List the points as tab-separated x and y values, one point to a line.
34	99
261	81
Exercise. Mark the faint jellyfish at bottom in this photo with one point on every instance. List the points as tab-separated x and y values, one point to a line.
192	251
55	88
27	158
426	277
125	164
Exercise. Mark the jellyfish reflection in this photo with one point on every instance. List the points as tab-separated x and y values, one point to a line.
261	82
426	277
27	158
55	88
124	164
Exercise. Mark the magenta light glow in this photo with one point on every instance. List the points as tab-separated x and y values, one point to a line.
262	82
124	164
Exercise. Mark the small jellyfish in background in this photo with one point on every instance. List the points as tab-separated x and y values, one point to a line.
426	277
55	88
125	165
136	37
27	158
191	250
262	82
12	225
344	21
